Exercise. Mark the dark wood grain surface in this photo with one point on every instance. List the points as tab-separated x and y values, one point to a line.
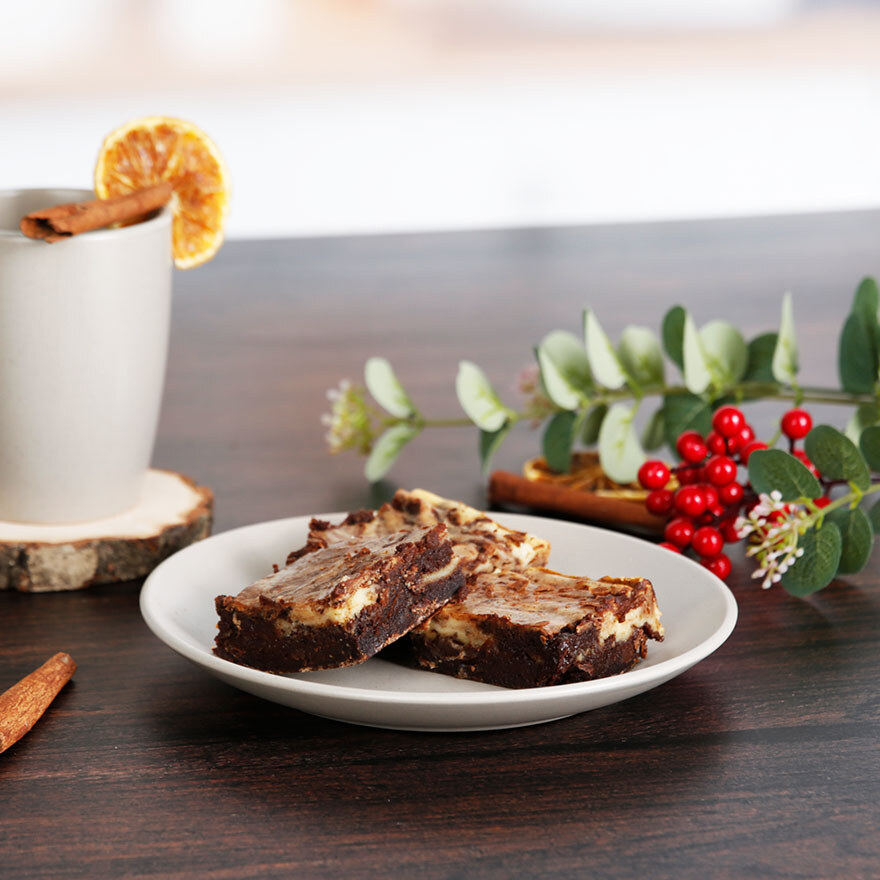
761	761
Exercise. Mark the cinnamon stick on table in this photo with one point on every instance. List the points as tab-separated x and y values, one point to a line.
24	703
62	221
506	488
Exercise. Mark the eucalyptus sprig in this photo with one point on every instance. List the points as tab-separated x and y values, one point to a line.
589	390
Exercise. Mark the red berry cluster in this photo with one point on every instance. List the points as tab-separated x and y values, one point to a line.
703	509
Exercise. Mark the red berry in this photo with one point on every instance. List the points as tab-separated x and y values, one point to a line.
715	511
728	421
711	494
720	470
729	532
707	541
688	475
653	475
741	439
749	448
730	494
822	501
716	444
719	565
669	546
679	531
690	501
796	424
659	502
691	447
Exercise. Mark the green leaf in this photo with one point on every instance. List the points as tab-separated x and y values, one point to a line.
490	441
857	354
771	469
592	424
603	359
874	517
654	432
785	356
867	299
565	369
725	351
386	449
673	335
640	354
685	412
857	539
558	440
817	567
697	375
478	398
836	456
866	415
386	388
760	365
869	443
620	452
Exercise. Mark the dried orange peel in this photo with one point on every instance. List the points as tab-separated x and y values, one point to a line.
155	149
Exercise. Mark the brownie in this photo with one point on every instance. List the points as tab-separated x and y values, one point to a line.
536	627
340	604
482	544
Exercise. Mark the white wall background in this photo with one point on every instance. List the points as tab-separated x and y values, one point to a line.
339	117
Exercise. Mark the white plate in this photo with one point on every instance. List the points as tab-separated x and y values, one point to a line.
177	602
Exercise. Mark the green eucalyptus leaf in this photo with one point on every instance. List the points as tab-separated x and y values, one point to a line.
558	441
856	537
478	398
673	335
771	469
565	369
836	456
605	364
592	424
685	412
654	433
641	356
697	374
620	452
760	365
857	359
785	356
867	299
386	388
866	415
386	449
818	565
725	351
490	441
869	443
874	517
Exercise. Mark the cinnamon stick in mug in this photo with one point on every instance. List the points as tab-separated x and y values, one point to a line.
24	703
62	221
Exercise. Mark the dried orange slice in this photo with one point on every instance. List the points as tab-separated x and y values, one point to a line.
147	151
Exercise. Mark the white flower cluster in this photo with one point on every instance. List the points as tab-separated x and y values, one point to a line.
775	528
348	422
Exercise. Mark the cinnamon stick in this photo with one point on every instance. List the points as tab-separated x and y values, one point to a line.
24	703
510	489
62	221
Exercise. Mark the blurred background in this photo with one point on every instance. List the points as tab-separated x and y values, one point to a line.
363	116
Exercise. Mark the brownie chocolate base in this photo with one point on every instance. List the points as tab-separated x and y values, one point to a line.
522	659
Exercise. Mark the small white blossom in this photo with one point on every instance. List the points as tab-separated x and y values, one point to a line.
774	528
349	423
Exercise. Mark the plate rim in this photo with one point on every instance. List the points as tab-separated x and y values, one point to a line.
496	695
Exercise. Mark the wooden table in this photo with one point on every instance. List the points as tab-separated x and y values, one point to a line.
762	761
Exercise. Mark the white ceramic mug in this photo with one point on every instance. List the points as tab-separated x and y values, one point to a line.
83	341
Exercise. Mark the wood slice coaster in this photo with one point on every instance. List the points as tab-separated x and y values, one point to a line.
173	513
